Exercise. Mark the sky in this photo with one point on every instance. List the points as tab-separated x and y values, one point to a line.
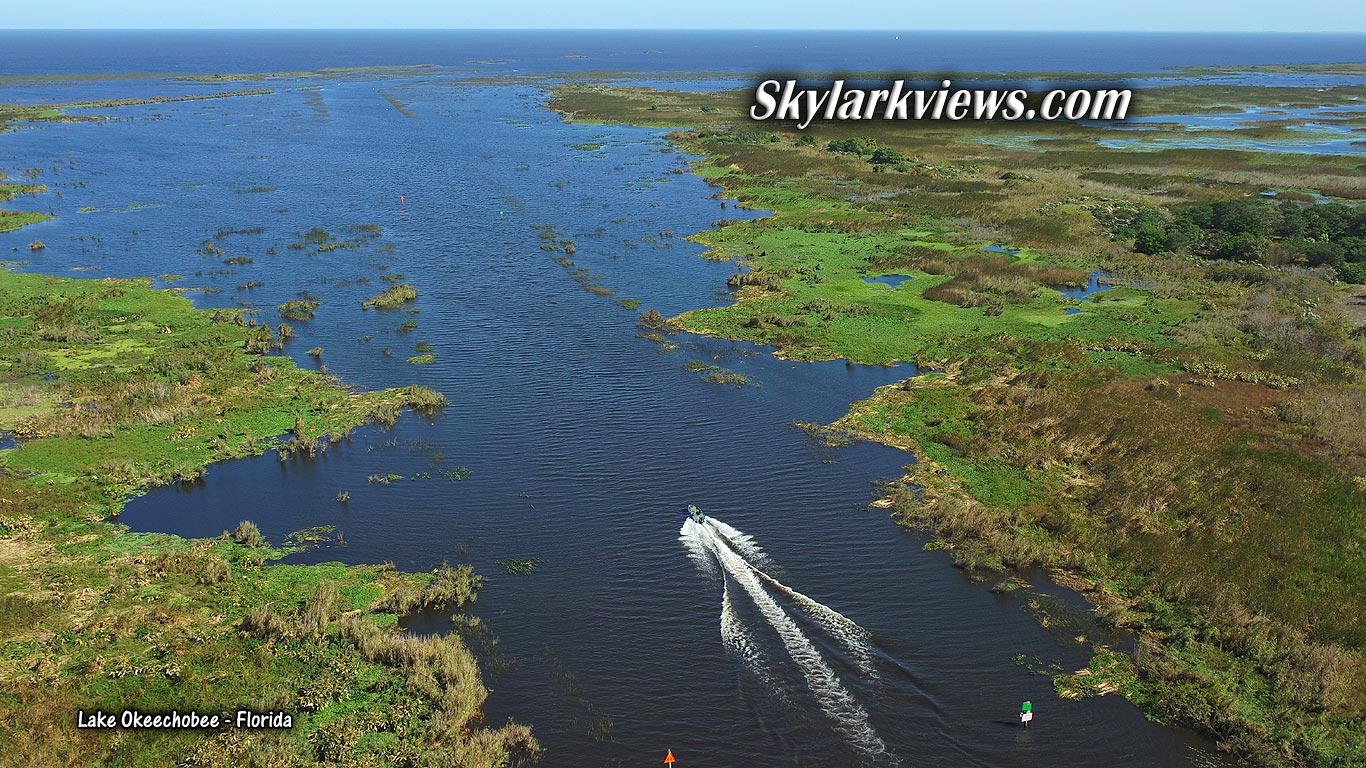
900	15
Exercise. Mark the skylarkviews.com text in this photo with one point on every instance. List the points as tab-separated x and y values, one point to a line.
789	101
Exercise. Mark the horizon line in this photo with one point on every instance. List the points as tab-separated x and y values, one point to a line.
697	29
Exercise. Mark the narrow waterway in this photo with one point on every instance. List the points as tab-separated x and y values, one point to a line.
809	631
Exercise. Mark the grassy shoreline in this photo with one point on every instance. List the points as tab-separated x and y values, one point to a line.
1171	446
147	391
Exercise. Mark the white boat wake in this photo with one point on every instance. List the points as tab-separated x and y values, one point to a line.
718	548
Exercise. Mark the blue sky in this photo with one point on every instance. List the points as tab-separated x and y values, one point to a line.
1130	15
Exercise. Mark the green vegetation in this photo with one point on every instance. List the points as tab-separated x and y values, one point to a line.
582	275
715	373
12	220
517	566
1249	230
113	388
1183	447
392	297
10	113
300	309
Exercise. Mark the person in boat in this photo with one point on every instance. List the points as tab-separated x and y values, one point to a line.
696	514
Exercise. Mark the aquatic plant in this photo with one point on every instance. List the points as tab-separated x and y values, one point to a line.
392	297
715	374
299	309
517	566
454	475
1016	463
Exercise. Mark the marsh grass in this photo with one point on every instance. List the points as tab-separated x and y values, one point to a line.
1183	450
392	297
299	309
157	622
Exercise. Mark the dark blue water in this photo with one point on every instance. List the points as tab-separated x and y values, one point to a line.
581	441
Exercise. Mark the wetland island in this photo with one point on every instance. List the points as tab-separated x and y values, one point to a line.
308	345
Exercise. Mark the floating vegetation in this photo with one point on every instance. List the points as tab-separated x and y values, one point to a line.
316	352
237	261
517	566
581	275
408	326
248	285
715	373
828	436
1037	666
384	479
1109	671
426	359
588	147
392	278
392	297
398	104
299	309
631	304
313	537
224	233
315	236
338	245
454	475
254	190
1010	584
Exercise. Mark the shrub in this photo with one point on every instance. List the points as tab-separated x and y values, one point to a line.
248	535
858	145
